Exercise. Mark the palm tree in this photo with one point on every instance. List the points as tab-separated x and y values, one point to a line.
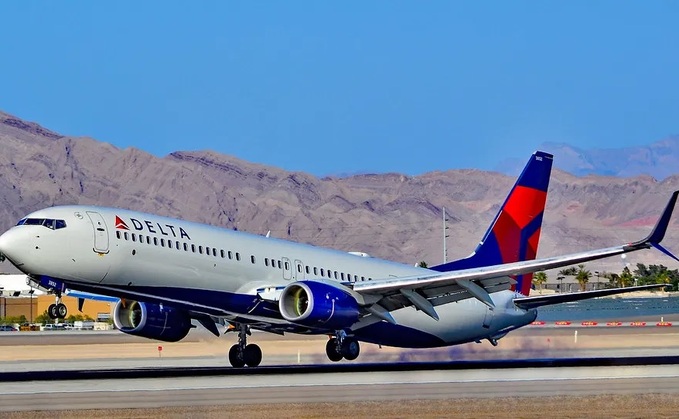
626	277
570	271
539	279
582	277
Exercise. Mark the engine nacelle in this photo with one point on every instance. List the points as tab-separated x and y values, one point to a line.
318	304
151	321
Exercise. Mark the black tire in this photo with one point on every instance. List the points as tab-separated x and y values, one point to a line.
350	348
331	350
52	311
236	357
252	355
62	311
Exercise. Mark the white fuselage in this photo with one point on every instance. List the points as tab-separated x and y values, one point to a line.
219	272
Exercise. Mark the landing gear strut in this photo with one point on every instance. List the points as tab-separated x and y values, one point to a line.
57	310
342	346
242	354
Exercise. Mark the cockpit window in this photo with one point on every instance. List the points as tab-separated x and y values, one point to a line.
47	222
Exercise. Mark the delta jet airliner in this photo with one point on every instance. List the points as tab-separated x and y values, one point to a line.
168	272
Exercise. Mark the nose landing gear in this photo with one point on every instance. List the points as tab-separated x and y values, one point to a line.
242	354
57	310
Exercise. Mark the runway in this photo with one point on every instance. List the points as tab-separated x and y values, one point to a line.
338	387
473	378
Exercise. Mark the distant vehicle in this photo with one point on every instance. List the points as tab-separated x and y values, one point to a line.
83	325
52	326
8	328
26	327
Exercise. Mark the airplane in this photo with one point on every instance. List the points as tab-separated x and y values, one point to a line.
167	272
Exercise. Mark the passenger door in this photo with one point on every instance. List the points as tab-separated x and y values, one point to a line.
100	232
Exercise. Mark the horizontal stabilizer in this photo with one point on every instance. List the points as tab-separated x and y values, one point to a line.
545	300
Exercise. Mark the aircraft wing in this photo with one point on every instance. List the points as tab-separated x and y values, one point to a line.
432	289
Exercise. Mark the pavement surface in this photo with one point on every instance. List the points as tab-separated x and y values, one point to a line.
642	391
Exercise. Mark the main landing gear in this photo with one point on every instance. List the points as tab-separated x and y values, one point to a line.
57	310
342	346
242	354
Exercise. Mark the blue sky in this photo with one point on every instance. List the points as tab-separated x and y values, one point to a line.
346	87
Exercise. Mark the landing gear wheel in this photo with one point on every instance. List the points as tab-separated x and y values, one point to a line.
61	310
52	311
236	356
331	350
350	348
252	355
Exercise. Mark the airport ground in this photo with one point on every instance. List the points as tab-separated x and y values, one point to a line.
532	392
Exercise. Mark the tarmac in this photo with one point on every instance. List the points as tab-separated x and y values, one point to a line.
642	390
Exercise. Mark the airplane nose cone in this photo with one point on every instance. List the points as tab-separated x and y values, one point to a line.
9	247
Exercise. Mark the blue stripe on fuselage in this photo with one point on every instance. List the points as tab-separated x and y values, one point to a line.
221	303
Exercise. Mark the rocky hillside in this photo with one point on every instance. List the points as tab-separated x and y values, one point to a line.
659	160
387	215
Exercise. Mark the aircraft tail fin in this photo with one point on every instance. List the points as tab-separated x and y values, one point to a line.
514	234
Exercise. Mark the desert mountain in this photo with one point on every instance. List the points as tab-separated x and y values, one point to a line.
388	215
659	160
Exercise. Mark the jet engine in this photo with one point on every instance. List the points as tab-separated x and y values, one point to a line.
151	321
318	304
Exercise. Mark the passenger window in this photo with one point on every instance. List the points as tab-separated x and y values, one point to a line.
307	269
148	240
237	256
322	272
316	271
252	259
155	241
335	274
178	245
222	253
342	276
287	266
279	264
186	247
127	236
193	248
118	234
134	237
207	250
266	261
299	268
230	255
162	242
200	249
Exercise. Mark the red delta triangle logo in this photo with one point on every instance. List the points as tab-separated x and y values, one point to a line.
121	224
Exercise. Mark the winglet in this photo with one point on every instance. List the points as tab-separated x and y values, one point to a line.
665	251
660	228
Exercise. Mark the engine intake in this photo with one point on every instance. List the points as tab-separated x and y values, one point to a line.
151	321
318	304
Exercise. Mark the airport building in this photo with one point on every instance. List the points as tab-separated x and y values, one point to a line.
32	307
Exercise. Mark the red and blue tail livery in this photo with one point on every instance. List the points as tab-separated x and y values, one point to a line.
514	234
